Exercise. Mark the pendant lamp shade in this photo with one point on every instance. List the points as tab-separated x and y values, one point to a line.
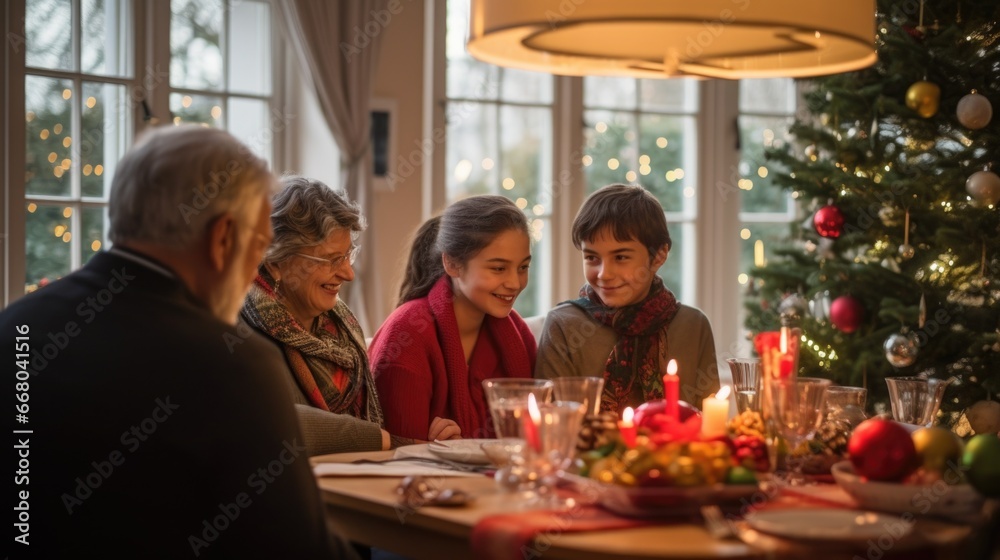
663	38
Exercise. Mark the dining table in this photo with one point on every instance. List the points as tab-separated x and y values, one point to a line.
366	508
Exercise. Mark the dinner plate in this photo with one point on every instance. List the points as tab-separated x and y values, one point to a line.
955	501
638	501
461	450
828	524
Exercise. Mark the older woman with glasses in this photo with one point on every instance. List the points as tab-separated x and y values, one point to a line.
294	301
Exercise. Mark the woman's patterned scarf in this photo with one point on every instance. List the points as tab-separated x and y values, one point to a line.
642	343
330	363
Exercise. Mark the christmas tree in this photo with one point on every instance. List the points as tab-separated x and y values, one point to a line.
896	269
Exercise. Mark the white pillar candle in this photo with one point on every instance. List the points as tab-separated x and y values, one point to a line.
714	413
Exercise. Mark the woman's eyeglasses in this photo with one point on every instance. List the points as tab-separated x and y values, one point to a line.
335	262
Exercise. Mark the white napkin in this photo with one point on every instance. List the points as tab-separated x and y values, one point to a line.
398	468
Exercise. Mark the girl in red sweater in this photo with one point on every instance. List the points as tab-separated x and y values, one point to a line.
455	324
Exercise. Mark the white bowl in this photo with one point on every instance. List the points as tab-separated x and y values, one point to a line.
934	499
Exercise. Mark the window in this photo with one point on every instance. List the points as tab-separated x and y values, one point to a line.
207	83
77	125
767	109
89	85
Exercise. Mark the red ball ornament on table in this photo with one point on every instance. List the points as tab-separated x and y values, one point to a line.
829	221
882	450
847	313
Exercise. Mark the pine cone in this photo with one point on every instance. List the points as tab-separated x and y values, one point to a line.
598	430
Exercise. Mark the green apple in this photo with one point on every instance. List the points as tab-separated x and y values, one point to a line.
982	459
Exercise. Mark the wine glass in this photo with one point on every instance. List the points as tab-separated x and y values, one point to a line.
797	409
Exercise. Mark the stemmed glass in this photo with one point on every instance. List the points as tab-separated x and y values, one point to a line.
797	409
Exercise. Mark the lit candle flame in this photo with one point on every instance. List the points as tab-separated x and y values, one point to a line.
536	415
723	393
627	415
672	367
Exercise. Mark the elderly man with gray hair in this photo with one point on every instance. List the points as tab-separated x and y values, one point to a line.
147	433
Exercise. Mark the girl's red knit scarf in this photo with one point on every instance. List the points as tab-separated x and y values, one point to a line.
466	397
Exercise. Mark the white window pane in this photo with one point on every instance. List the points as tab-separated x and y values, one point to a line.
195	44
526	87
766	236
772	95
472	162
680	261
675	95
250	48
526	164
106	41
471	79
670	171
196	109
94	232
610	148
759	193
537	295
609	92
247	121
48	135
105	114
47	25
47	244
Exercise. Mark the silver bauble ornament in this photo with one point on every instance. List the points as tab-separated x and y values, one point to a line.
900	349
974	111
792	309
984	187
907	251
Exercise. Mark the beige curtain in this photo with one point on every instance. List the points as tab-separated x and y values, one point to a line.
336	43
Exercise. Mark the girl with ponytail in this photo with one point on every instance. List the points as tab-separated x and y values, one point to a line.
455	323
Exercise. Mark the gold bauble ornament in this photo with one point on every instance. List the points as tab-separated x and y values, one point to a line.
924	98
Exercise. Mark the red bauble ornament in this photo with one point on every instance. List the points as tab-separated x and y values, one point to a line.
882	450
829	221
847	313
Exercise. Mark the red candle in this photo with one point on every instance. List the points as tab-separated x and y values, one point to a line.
531	422
786	363
671	391
627	428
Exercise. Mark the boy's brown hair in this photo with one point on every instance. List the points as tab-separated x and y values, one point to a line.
628	212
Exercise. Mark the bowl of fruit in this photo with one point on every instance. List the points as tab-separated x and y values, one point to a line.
669	470
927	472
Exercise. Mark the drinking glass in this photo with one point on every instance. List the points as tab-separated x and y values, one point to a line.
584	390
746	383
797	410
846	404
547	455
915	400
508	402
